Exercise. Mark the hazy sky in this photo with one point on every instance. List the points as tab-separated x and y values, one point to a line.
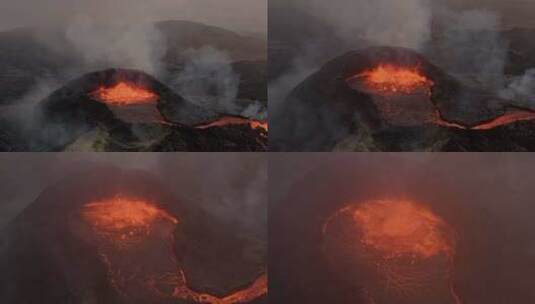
246	15
230	185
517	13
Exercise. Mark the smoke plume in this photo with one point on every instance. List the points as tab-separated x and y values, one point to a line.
117	44
385	22
208	72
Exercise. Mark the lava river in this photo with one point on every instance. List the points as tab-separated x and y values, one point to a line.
235	120
128	231
403	96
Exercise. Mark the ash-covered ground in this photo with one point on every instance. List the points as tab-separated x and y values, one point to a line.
133	228
482	47
219	72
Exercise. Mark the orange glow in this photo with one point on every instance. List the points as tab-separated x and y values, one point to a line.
402	228
394	79
259	124
124	93
126	217
257	289
506	119
502	120
233	120
398	237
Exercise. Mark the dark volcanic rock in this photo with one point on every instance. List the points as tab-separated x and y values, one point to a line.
25	59
230	138
53	255
173	107
328	111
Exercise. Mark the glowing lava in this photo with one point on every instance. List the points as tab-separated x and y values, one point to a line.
124	217
130	221
502	120
402	228
234	120
256	290
124	93
393	79
406	244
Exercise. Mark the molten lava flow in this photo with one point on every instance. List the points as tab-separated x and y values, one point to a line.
506	119
255	124
405	243
124	93
402	228
257	289
126	218
254	291
391	79
234	120
502	120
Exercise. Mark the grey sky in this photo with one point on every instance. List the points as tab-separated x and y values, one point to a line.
514	13
245	15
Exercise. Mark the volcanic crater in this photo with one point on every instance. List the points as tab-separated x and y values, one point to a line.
403	250
388	230
394	99
129	110
118	236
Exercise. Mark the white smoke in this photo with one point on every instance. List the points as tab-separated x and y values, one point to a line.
209	72
521	87
471	45
118	44
387	22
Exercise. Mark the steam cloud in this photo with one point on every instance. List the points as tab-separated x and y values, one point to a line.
137	46
387	22
521	87
474	46
121	33
208	72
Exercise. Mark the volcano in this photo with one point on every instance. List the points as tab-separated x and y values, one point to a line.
118	236
27	58
393	99
146	115
129	110
401	246
397	231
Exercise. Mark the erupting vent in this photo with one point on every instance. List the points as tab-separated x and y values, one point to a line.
124	93
391	79
402	228
125	218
